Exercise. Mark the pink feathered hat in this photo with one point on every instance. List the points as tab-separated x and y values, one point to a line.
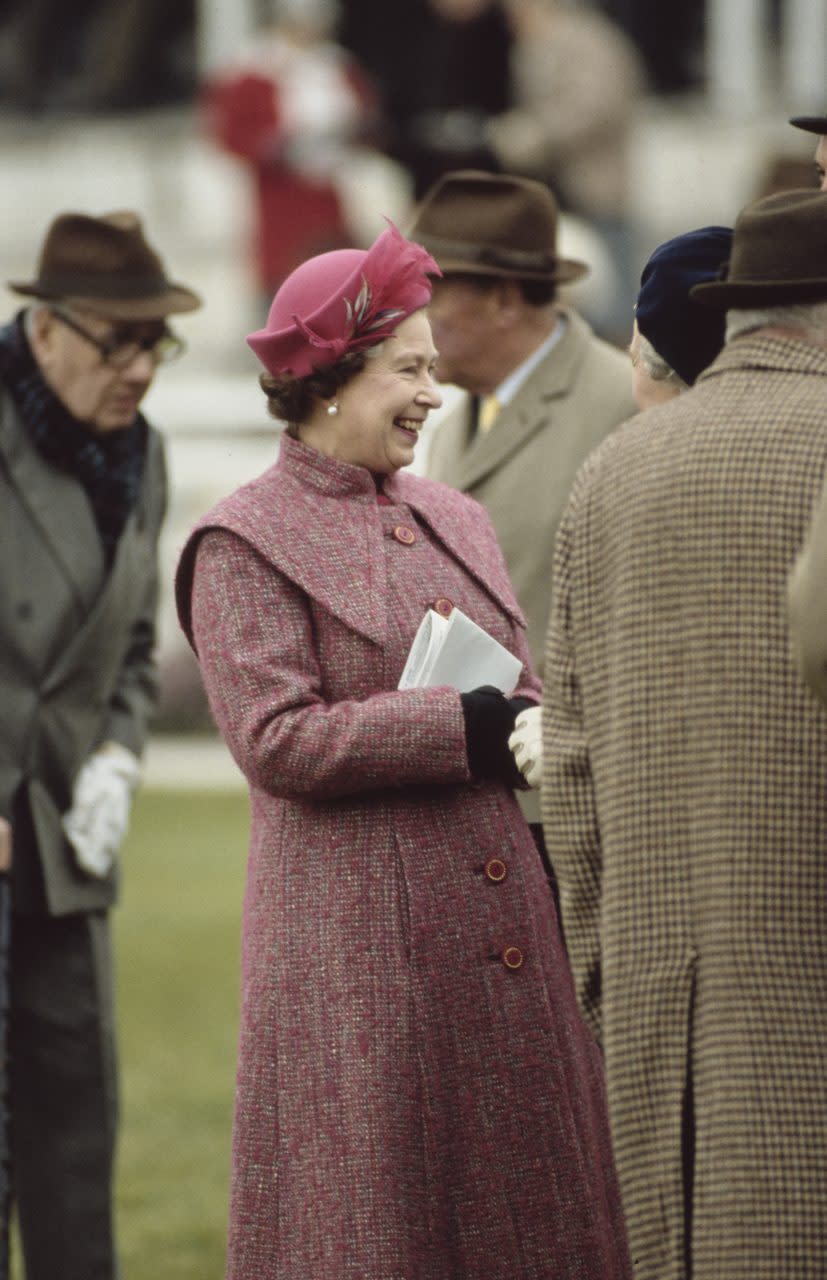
343	301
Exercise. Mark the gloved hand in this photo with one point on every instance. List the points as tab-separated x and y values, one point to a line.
489	719
97	821
526	743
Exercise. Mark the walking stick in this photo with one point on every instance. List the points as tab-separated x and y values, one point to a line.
5	994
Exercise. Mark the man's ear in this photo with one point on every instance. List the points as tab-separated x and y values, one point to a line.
509	301
40	333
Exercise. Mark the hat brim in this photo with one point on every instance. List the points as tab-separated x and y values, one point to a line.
565	271
173	301
810	124
723	294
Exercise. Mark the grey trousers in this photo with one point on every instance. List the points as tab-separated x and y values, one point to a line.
63	1075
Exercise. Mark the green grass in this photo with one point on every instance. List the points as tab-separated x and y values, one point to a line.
177	942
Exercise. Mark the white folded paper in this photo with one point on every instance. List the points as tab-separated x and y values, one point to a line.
457	652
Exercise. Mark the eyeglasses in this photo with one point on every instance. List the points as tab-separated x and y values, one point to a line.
120	348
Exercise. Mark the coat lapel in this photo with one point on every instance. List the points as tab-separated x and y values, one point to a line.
531	410
111	602
57	505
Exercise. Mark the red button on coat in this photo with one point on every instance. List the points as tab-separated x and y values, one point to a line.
496	870
404	535
512	957
444	607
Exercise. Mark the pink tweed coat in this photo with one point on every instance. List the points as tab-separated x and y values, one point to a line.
417	1096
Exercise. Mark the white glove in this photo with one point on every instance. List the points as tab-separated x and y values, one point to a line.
97	821
526	743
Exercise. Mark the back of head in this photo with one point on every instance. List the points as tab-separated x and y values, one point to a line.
685	334
495	225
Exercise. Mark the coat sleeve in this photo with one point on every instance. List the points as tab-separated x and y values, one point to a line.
253	631
569	809
807	600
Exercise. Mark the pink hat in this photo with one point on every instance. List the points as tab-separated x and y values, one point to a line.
343	301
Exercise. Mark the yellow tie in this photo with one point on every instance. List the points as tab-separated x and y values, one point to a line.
487	415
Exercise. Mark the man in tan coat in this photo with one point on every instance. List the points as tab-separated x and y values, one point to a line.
543	390
685	780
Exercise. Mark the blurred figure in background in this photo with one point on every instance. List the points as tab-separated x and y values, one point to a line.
291	106
96	55
670	38
82	498
442	69
577	80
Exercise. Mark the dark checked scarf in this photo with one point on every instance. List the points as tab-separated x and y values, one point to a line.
109	467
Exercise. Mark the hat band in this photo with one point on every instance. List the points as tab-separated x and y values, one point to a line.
487	255
114	286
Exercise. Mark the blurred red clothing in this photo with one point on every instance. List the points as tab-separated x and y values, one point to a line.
292	113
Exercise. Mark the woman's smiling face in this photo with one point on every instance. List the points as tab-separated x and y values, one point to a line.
384	407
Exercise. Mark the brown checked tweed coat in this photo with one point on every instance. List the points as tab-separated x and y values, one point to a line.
685	802
418	1097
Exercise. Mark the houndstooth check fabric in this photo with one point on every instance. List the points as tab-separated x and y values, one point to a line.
685	808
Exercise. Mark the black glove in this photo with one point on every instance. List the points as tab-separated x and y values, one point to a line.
489	722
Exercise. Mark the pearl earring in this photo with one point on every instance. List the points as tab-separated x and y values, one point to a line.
333	408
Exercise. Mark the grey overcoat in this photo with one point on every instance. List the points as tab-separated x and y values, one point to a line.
76	645
685	807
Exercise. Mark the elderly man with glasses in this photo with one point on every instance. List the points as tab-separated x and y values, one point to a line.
82	497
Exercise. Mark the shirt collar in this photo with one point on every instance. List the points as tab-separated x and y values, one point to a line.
509	387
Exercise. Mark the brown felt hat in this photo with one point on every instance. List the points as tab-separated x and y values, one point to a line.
779	254
106	266
491	224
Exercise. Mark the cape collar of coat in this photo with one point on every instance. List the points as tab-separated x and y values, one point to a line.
309	512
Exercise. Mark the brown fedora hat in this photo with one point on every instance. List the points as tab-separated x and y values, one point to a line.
493	224
779	254
105	265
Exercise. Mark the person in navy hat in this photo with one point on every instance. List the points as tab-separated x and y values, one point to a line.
674	338
817	125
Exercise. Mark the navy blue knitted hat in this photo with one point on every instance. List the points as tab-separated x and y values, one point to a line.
687	335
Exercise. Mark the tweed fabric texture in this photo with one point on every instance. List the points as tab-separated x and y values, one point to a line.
407	1106
685	807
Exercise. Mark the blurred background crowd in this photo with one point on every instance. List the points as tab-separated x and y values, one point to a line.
254	133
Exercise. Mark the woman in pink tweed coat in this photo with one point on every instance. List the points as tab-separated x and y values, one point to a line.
417	1097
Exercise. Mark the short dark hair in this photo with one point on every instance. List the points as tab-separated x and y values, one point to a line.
293	400
537	293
